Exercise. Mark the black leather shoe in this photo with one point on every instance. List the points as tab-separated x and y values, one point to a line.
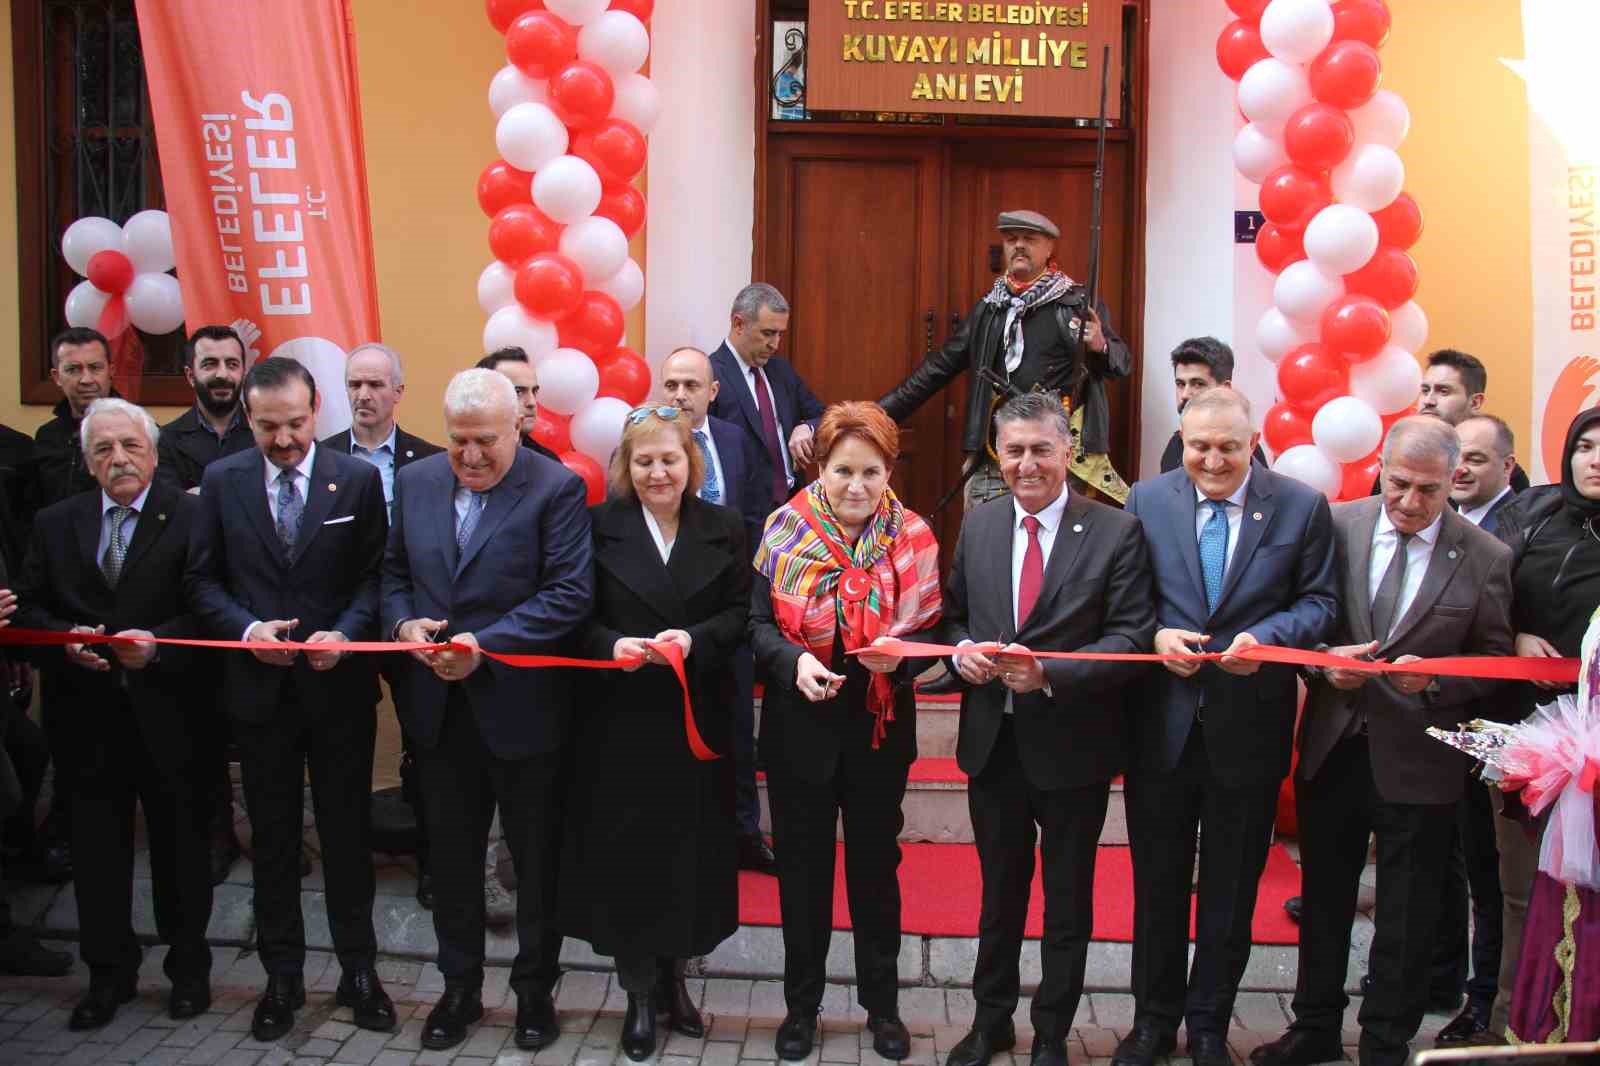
224	852
275	1010
980	1045
363	993
1299	1047
674	1004
99	1005
536	1021
1209	1049
189	999
890	1038
639	1027
797	1035
1141	1047
1048	1052
1291	907
1470	1028
756	854
21	955
425	890
447	1023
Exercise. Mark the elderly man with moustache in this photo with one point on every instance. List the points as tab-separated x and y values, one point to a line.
490	550
112	561
1416	581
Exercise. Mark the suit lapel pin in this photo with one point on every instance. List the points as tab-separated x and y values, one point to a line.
1256	517
1077	528
1452	553
410	453
161	518
332	487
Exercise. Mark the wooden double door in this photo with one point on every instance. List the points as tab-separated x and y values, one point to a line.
883	241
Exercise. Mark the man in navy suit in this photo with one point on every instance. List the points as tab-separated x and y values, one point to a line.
1242	556
287	546
760	391
490	549
733	479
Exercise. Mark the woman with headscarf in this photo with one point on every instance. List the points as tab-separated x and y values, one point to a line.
841	566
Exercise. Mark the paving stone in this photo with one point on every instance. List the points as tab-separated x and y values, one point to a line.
841	962
1271	969
767	1002
392	1057
214	1048
1098	1041
680	1045
332	1030
1109	967
720	1054
841	1046
581	955
606	1033
595	1056
240	1057
731	1027
362	1047
1261	1011
486	1040
922	1009
582	991
560	1053
751	952
1113	1011
960	1006
727	996
404	928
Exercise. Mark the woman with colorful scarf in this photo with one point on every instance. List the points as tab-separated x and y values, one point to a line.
841	566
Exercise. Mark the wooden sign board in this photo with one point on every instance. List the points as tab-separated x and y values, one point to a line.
944	56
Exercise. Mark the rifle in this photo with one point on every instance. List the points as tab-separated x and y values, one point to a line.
1096	196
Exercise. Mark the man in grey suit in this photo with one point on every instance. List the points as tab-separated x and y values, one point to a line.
1416	580
1241	556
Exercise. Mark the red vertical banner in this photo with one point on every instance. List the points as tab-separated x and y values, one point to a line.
258	122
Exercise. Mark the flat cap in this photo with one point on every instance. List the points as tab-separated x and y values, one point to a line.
1028	220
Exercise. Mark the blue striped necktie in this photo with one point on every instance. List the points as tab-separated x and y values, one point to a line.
1214	551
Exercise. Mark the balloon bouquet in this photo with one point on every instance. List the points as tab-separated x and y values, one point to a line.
126	270
572	114
1320	140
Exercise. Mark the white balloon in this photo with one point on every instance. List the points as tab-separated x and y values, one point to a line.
1370	177
1302	291
496	288
530	136
577	12
1296	30
626	286
84	305
1384	120
1257	153
1277	335
568	379
597	429
1408	327
1390	382
1307	464
597	245
147	240
325	360
155	303
1340	239
511	87
1347	429
513	327
636	100
87	236
616	41
567	189
1272	90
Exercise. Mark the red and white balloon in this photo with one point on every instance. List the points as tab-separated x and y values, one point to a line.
571	115
1320	139
125	270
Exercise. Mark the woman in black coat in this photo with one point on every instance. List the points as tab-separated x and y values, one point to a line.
650	872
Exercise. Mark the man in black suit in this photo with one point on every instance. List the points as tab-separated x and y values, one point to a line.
733	479
1048	570
1198	364
288	545
514	363
112	562
759	390
490	550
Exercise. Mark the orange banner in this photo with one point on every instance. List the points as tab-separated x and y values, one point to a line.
258	122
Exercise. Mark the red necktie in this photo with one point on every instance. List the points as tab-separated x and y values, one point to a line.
769	430
1032	572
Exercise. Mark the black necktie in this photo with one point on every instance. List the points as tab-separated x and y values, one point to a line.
1386	603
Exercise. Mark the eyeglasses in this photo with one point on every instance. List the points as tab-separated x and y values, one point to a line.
639	414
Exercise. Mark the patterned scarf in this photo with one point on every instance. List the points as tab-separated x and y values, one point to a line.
885	584
1047	287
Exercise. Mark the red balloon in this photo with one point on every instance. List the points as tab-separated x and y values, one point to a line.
521	230
539	44
502	13
552	430
581	93
501	185
1355	326
624	205
596	326
1360	476
1346	74
1390	277
1248	9
1284	428
1399	224
1318	137
626	376
1278	246
1361	20
1310	376
110	271
639	9
1290	195
614	148
594	479
1239	48
549	285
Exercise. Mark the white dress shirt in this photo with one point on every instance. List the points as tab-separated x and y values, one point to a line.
747	372
1475	515
1234	506
703	430
663	546
302	480
129	524
1418	552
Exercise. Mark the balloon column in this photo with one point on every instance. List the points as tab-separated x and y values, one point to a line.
126	270
572	113
1320	140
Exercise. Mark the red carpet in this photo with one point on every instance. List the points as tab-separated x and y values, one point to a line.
939	885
